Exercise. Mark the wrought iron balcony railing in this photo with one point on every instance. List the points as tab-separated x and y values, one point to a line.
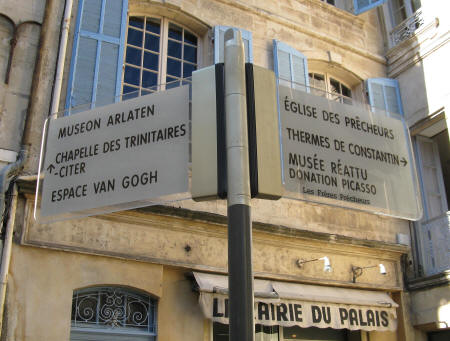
407	28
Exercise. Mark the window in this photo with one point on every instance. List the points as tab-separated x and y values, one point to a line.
262	333
403	18
384	94
159	55
112	313
97	55
276	333
361	6
403	9
433	166
326	86
291	66
114	56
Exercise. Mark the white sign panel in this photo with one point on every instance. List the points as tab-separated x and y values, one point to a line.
126	152
347	156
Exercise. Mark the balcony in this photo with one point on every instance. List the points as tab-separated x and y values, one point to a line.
406	29
435	240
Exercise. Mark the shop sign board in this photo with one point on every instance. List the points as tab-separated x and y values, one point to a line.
117	156
306	314
345	155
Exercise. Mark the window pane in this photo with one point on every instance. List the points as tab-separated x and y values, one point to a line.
153	25
335	86
132	75
129	93
317	83
152	42
346	91
151	61
173	67
128	89
133	56
313	333
174	49
134	37
190	54
175	32
172	83
149	79
187	70
137	22
190	38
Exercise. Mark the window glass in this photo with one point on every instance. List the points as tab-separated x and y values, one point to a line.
323	85
99	311
154	58
398	11
262	333
415	4
310	334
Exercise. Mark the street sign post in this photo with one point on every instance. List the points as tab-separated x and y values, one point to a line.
345	155
117	157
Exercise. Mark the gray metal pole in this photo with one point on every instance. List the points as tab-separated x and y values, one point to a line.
240	278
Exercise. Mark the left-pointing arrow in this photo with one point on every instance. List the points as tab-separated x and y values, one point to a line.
50	168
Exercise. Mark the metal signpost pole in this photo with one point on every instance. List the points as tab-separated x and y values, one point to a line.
240	280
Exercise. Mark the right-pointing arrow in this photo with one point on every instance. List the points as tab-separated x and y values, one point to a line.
404	161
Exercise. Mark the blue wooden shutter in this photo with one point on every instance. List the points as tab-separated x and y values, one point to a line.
97	56
290	66
384	94
361	6
219	32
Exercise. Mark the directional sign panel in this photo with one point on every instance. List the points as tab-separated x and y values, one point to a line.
106	158
345	155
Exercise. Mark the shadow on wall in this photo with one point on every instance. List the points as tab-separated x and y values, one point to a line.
18	51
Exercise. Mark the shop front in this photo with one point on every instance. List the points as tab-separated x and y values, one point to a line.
294	311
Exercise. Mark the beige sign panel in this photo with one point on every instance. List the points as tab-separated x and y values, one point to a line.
345	155
125	155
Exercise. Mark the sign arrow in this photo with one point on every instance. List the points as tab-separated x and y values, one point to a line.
403	161
50	168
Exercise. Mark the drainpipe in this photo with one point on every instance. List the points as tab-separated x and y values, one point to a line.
6	174
6	255
61	57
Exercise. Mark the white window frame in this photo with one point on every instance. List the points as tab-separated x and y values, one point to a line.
163	45
327	92
413	17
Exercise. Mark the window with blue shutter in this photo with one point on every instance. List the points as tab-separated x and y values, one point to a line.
219	32
384	94
361	6
97	56
290	66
